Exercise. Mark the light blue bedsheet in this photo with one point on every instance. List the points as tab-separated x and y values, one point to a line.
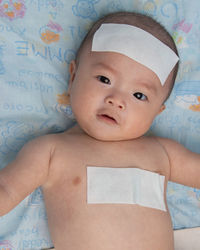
38	38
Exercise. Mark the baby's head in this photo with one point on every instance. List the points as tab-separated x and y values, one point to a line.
116	96
141	21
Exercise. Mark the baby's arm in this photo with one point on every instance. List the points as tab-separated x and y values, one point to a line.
28	171
184	164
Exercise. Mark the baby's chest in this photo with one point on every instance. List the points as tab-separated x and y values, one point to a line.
119	174
109	182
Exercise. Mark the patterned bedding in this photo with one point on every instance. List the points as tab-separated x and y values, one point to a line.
38	39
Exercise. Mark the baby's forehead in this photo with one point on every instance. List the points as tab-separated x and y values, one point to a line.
136	44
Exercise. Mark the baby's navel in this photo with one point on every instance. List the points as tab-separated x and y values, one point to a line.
76	181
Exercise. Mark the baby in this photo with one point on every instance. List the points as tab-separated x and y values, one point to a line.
104	182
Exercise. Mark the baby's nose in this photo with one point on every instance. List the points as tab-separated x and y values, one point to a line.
114	101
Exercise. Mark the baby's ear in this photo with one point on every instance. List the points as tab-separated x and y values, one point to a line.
72	72
162	108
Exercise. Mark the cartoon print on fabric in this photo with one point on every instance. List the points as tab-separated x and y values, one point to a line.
63	98
188	95
50	32
150	7
196	107
5	244
85	9
12	9
14	135
63	105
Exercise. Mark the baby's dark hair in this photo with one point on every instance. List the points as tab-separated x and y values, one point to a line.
141	21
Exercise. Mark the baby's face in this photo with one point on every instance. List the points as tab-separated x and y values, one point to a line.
113	97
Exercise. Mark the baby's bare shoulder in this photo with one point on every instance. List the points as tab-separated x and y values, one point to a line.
154	155
63	149
153	145
50	141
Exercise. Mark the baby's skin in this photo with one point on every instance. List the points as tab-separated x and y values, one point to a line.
76	225
114	108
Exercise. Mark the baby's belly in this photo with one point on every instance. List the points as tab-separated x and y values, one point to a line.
109	227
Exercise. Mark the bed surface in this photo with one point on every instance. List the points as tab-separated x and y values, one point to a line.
38	39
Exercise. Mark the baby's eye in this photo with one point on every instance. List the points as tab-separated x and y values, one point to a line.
103	79
140	96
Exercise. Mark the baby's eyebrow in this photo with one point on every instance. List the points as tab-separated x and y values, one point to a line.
149	86
105	66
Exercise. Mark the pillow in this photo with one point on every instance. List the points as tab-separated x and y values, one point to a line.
38	39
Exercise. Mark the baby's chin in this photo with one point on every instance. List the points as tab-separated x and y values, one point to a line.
108	137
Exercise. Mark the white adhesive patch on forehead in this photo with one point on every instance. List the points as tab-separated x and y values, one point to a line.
125	186
137	44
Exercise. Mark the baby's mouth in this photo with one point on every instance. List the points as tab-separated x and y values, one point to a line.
107	118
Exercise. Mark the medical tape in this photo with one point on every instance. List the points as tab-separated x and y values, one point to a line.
138	45
125	186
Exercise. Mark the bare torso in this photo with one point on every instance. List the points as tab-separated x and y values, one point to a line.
76	225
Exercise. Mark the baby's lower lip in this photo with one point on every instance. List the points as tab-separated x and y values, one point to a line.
108	119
